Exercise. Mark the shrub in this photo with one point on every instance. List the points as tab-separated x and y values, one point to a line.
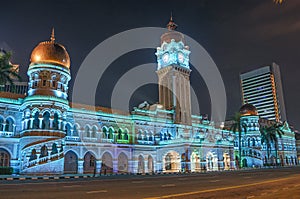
6	170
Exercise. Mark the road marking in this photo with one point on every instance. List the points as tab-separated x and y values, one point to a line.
168	185
100	191
137	182
214	180
222	188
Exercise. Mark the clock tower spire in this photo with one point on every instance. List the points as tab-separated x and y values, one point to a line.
174	74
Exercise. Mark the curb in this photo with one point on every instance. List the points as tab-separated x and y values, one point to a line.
43	177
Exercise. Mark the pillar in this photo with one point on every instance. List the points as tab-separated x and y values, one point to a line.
80	166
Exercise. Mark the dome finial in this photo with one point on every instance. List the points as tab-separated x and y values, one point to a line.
171	25
52	38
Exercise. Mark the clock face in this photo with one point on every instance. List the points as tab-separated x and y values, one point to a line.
165	58
180	57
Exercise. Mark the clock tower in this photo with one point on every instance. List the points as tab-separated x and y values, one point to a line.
174	74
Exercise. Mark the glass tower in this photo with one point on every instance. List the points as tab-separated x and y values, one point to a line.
263	88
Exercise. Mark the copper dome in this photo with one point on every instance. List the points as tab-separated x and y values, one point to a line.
50	52
248	110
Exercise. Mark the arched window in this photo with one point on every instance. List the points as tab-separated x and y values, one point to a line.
54	149
111	133
120	134
105	131
75	130
253	142
249	142
4	158
1	123
36	121
126	136
9	127
87	131
68	129
94	132
33	155
44	151
46	120
55	122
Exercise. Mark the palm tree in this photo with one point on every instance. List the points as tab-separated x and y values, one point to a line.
7	74
269	135
275	133
239	127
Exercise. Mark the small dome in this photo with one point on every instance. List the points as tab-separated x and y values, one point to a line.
248	110
50	52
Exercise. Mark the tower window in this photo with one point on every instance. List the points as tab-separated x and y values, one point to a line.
44	82
53	84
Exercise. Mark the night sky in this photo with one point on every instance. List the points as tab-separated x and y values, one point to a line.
240	35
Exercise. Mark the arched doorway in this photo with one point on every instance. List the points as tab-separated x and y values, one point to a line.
89	163
141	164
244	162
122	163
226	159
172	162
211	162
4	158
195	162
150	164
70	162
107	163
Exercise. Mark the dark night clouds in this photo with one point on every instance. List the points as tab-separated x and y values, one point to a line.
240	35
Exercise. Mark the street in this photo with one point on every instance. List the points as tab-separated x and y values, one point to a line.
259	183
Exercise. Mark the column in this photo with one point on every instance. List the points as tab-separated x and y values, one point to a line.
51	123
59	124
115	166
31	123
40	122
80	166
146	166
98	166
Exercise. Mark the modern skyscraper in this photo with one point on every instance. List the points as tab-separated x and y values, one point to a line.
263	88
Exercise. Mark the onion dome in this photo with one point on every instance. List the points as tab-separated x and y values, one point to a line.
248	110
50	52
172	33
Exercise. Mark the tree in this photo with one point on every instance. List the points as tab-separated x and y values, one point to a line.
7	74
265	138
270	135
238	127
275	133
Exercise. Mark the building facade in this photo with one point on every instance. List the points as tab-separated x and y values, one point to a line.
263	88
42	132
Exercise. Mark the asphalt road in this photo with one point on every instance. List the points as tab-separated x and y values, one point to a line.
263	183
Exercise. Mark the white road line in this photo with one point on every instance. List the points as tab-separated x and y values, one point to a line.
100	191
168	185
214	180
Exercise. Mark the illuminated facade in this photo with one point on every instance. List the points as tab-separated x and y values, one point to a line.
42	132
